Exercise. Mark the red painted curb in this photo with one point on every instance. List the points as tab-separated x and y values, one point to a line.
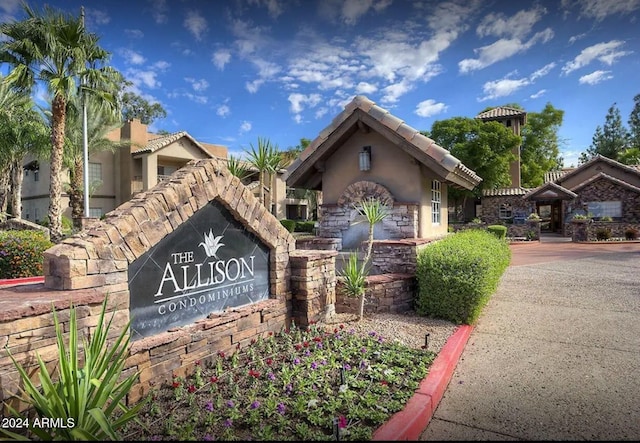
21	281
409	423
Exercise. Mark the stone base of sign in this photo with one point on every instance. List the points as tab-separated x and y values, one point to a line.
385	293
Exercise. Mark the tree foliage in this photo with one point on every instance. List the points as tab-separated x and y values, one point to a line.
609	140
540	152
485	147
53	48
135	106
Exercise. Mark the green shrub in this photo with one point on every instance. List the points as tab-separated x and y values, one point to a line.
21	253
289	224
66	222
498	230
606	218
458	274
603	233
90	390
305	226
631	234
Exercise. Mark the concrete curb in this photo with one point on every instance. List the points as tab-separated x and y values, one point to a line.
21	281
409	423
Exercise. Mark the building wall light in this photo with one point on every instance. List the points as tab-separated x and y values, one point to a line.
365	158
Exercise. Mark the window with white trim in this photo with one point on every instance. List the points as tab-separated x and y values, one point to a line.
605	209
95	212
436	200
505	211
95	173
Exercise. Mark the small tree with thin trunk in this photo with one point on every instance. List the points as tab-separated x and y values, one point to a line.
354	275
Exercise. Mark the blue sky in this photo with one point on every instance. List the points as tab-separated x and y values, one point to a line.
229	72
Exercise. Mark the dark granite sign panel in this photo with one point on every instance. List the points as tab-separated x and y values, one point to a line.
209	263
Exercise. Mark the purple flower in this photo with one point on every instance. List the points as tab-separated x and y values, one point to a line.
288	389
363	364
314	365
323	362
307	353
271	376
296	361
319	345
363	350
347	367
372	334
281	408
230	404
209	406
228	423
208	437
255	404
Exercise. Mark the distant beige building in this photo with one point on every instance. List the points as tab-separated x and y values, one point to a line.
146	160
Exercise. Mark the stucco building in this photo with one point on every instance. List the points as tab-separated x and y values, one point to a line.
146	159
368	152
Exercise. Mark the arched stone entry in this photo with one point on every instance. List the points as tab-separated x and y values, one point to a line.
343	221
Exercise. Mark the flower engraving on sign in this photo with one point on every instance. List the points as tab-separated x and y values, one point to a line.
211	244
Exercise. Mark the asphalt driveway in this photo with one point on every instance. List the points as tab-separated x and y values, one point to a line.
555	354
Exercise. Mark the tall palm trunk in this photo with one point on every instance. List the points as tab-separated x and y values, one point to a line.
5	181
76	194
58	110
16	189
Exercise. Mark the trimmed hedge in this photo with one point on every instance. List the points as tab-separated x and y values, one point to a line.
289	224
21	253
305	226
499	231
458	274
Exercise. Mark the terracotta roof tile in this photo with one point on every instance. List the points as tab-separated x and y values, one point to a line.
161	142
504	192
500	111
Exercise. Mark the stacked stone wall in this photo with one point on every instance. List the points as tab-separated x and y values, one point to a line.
313	284
386	293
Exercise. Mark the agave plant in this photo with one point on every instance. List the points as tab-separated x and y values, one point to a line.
88	397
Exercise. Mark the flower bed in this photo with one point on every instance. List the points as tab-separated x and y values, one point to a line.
293	385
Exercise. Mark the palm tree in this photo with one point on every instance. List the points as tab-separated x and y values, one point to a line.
237	167
54	48
22	132
262	158
354	275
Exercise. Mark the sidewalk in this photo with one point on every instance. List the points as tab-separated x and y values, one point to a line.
555	354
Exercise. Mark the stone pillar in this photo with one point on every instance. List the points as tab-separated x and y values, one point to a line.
313	285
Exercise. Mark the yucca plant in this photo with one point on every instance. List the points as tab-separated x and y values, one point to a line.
89	397
353	279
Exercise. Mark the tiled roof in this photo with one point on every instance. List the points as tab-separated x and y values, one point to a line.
500	192
604	176
552	176
361	110
161	142
499	112
600	158
550	191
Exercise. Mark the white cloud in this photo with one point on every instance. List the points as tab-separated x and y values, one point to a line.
223	110
428	108
352	10
575	38
220	58
501	50
595	77
299	102
254	85
599	9
520	24
245	127
161	65
274	7
96	17
132	57
606	53
365	88
141	78
159	11
538	94
196	24
502	88
542	71
201	99
134	33
393	92
197	85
